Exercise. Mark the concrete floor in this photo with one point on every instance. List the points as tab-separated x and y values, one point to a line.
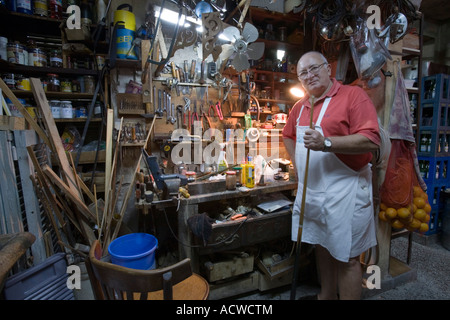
429	278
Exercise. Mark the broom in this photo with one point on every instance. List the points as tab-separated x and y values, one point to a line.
302	212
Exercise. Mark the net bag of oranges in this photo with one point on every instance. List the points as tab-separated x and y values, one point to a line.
404	203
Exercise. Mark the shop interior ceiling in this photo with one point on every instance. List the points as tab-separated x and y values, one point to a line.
438	10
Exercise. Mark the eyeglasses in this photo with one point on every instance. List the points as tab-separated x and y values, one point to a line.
313	70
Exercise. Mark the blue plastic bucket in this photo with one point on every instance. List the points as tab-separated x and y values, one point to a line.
134	250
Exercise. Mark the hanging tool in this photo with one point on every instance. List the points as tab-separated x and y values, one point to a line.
194	116
219	110
159	111
302	213
179	116
211	108
187	109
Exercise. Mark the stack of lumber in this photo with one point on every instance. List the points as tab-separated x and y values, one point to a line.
69	204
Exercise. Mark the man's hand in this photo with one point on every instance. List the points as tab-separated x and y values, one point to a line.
313	140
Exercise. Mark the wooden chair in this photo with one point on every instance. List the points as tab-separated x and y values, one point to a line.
114	282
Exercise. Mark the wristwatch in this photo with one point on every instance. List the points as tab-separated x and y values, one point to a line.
327	145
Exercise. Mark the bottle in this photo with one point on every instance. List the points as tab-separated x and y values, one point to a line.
221	161
429	144
423	143
101	8
250	173
55	9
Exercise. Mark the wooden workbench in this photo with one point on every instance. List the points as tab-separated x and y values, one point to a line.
232	235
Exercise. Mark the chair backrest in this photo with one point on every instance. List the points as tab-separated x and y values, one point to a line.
114	282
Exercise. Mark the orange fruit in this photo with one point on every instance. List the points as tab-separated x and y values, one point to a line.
427	218
391	213
396	224
403	213
424	227
382	216
420	214
383	207
415	224
419	202
417	191
424	195
427	208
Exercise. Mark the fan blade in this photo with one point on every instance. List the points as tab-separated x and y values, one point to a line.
255	50
231	33
227	51
250	33
240	62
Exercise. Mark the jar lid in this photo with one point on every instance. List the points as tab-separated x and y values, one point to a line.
237	168
52	74
231	172
190	173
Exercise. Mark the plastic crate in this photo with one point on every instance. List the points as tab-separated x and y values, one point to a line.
45	281
441	83
435	170
434	143
435	115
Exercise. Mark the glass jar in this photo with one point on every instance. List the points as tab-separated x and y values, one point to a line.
56	59
75	86
89	84
66	110
53	83
230	180
10	80
238	171
40	8
66	85
55	106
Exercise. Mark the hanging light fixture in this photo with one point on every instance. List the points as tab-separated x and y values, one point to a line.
297	91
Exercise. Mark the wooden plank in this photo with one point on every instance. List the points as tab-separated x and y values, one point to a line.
73	197
54	138
108	162
24	112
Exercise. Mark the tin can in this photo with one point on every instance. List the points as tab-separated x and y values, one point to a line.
15	53
81	112
37	58
23	84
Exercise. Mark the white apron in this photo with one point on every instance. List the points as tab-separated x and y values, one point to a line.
338	205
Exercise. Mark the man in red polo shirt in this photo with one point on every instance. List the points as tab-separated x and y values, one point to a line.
338	215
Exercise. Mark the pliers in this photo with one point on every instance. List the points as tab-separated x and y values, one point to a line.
194	114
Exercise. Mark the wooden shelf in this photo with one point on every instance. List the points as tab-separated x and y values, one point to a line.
39	71
56	95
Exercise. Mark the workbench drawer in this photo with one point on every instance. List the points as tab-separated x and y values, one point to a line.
236	234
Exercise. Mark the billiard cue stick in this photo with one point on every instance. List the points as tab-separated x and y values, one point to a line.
302	212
